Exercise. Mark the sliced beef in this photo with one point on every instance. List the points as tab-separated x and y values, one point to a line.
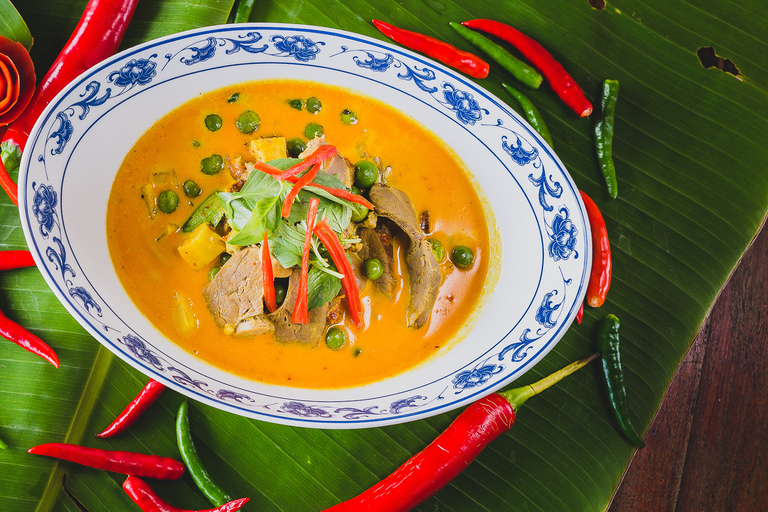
288	332
341	168
423	270
235	296
373	247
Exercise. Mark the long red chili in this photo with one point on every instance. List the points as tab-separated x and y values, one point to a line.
134	409
97	36
10	260
25	339
559	79
339	257
301	308
128	463
148	501
446	53
268	275
452	451
600	274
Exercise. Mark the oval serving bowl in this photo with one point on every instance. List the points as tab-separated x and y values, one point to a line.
539	228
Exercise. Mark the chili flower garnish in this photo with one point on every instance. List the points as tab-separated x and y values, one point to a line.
452	451
17	80
146	397
559	79
128	463
148	501
601	270
446	53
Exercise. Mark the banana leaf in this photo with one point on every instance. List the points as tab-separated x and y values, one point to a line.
693	191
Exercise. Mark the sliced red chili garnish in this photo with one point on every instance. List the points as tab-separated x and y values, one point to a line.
321	154
267	275
300	183
301	308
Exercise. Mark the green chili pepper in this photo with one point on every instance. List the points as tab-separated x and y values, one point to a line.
532	114
608	346
243	12
205	483
519	69
604	135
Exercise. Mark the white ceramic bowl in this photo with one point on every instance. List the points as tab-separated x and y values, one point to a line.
536	212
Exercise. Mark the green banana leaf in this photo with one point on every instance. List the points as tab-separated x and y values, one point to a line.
693	191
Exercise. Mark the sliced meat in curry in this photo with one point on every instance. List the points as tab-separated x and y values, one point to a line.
288	332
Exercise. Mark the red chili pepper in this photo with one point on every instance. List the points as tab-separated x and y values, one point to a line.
321	154
452	451
25	339
97	36
148	501
10	260
446	53
600	275
133	410
580	314
300	184
301	308
267	275
128	463
559	79
339	257
18	80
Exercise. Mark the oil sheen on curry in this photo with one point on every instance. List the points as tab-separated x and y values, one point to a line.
201	191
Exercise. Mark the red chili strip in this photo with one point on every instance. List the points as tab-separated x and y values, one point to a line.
134	409
344	194
97	36
559	79
446	53
580	314
26	340
600	274
266	168
10	260
331	242
148	500
128	463
301	308
319	155
300	183
267	275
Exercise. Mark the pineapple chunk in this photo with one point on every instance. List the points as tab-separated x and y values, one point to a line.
201	247
264	150
183	316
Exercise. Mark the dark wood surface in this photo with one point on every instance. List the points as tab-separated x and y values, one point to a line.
707	449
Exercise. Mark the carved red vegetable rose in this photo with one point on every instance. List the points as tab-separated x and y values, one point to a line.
17	80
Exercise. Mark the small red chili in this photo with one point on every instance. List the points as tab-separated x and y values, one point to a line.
128	463
133	410
148	501
559	79
446	53
97	35
580	314
600	274
452	451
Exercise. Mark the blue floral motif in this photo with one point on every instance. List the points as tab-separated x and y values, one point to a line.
520	349
396	407
59	259
467	109
44	208
140	350
476	376
563	236
377	64
78	292
134	72
62	134
546	310
419	76
185	380
516	151
555	190
200	54
246	43
302	48
355	414
305	411
225	394
90	98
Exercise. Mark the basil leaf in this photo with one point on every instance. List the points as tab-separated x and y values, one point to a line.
288	245
322	287
253	230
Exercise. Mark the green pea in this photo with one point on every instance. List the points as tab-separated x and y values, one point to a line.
437	249
313	130
248	122
224	258
366	174
213	122
212	165
348	117
462	256
281	290
295	147
313	105
212	273
373	269
168	201
235	96
357	352
297	104
191	189
195	144
335	338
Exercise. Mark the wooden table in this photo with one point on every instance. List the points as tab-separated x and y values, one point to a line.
707	449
